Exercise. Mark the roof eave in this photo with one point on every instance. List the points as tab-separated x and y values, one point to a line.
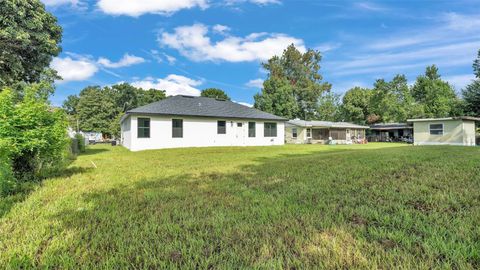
206	116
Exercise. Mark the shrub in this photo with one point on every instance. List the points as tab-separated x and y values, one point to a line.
7	182
80	142
37	133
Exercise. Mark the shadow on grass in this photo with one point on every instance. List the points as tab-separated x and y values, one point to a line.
93	151
25	188
329	209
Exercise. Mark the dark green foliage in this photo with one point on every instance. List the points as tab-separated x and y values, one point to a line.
7	181
471	97
29	38
100	109
295	77
471	93
80	140
393	102
476	66
95	110
214	93
277	97
436	96
356	105
329	108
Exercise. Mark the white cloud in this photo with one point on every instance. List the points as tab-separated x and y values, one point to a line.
74	69
243	103
55	3
172	84
221	29
256	83
460	22
127	60
370	6
328	46
257	2
451	55
460	81
193	42
171	60
136	8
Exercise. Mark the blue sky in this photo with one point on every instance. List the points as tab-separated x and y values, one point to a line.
184	46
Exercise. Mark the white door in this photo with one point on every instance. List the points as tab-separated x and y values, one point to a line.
349	136
240	134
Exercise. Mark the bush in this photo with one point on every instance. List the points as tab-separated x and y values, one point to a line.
7	181
80	142
37	133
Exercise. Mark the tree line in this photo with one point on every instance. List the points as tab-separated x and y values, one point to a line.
100	109
294	89
33	137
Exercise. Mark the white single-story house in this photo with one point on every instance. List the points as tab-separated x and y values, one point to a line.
444	131
188	121
301	131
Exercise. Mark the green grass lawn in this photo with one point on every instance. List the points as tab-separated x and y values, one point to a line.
288	207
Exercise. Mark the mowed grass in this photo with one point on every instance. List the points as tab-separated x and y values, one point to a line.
290	207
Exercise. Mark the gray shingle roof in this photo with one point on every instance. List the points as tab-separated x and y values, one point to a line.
303	123
203	106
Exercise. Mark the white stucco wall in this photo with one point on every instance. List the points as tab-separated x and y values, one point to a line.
125	133
197	132
455	132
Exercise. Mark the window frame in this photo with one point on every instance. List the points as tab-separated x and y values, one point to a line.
176	128
224	127
143	127
294	133
267	131
252	132
309	133
436	129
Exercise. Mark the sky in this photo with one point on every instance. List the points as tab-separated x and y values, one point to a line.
184	46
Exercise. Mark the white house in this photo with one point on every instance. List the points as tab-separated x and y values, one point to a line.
444	131
323	132
187	121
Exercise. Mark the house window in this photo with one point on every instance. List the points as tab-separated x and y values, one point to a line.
221	127
239	124
270	129
143	128
251	129
309	133
177	128
294	133
436	129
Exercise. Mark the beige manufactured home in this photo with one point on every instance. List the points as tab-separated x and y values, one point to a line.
323	132
444	131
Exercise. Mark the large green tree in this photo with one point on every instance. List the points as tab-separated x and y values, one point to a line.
437	97
329	107
95	110
356	105
295	74
29	38
277	97
214	93
471	93
393	101
99	109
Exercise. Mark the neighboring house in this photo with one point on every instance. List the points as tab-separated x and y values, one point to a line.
300	131
390	132
444	131
187	121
